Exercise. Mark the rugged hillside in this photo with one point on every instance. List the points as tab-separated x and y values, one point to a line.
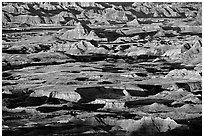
36	13
102	69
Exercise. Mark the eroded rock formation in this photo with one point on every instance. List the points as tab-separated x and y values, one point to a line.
102	68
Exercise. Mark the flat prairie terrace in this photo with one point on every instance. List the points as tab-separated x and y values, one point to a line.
101	69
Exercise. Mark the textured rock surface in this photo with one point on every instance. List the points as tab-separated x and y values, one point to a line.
101	68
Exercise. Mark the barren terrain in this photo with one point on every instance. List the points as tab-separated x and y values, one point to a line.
101	68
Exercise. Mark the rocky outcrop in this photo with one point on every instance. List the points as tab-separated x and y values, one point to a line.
101	13
185	74
148	125
133	23
72	22
80	32
82	48
163	10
